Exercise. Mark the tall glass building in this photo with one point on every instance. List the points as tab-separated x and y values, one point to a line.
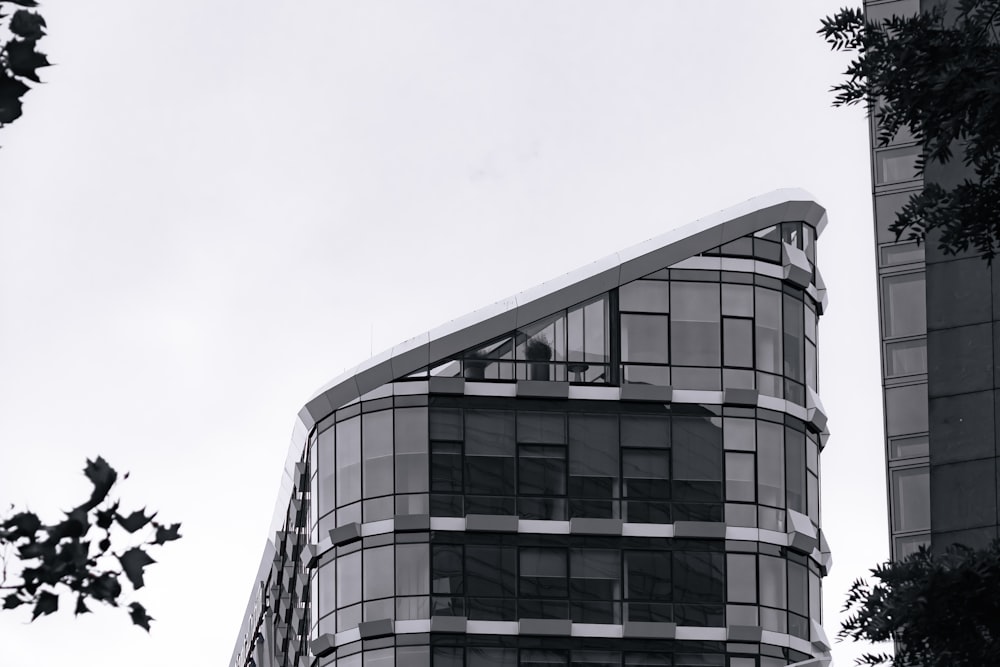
619	467
940	358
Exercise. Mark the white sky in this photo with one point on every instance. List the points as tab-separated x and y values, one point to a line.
212	208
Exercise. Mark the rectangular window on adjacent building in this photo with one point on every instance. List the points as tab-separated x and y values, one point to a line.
904	305
896	164
911	499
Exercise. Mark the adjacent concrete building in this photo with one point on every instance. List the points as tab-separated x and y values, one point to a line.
619	467
938	315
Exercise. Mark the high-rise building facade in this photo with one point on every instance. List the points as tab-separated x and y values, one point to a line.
620	467
939	358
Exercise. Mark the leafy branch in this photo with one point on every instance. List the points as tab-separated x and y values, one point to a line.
936	74
20	58
941	610
76	554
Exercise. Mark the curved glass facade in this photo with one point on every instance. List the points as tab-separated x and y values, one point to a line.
630	480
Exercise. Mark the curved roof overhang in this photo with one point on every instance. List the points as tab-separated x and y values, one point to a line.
786	205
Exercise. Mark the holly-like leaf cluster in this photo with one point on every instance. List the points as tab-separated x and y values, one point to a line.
942	610
20	58
937	74
78	554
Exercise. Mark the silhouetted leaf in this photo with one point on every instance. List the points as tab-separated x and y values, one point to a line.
81	606
46	604
22	525
139	615
23	59
105	587
166	534
76	524
12	601
106	516
133	561
27	24
103	477
135	520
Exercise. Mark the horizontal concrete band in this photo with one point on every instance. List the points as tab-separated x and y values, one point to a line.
802	535
819	646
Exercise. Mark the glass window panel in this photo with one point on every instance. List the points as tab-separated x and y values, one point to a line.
896	165
911	499
793	339
647	575
446	467
489	571
655	375
645	339
327	588
737	342
768	330
542	470
376	509
740	478
376	431
737	300
595	322
595	574
906	409
908	448
448	575
645	296
596	658
697	445
812	497
886	208
575	335
543	340
695	331
904	305
795	469
448	656
348	461
446	424
413	569
811	362
378	572
349	579
798	589
543	573
639	659
773	591
326	482
383	657
685	377
645	431
489	433
906	357
491	657
741	579
791	233
770	464
906	546
901	253
541	427
699	577
646	473
740	434
412	475
540	658
413	656
593	456
815	598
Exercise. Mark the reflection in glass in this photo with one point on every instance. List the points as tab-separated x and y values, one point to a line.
695	336
904	305
901	253
645	338
768	330
644	296
907	448
896	164
911	499
906	409
906	357
348	461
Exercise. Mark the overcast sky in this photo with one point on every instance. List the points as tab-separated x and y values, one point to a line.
212	208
